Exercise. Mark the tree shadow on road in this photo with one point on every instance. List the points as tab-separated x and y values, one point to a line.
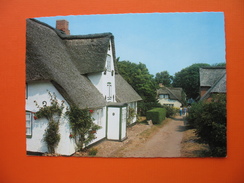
176	119
182	128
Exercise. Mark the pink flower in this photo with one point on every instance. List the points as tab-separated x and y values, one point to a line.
91	111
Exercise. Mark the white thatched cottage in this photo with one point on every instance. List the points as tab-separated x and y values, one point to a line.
171	96
81	70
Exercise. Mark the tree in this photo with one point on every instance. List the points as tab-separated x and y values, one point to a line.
188	79
138	76
164	78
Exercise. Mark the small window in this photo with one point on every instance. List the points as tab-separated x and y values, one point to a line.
28	124
109	85
164	96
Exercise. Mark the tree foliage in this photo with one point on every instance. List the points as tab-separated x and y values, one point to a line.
209	120
164	77
138	76
188	79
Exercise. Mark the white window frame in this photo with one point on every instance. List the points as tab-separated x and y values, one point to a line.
109	85
29	121
166	96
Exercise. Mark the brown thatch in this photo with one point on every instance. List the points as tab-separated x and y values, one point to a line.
214	78
49	56
124	92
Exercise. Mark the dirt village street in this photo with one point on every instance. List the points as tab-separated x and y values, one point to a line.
146	141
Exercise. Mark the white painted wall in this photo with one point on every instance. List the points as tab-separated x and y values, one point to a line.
123	123
101	80
176	103
37	91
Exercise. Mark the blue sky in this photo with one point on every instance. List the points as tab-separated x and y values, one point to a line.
162	41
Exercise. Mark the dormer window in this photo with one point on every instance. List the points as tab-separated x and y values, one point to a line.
166	96
108	60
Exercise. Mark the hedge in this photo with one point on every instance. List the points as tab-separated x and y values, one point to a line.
157	115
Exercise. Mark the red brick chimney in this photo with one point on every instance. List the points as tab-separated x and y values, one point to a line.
63	25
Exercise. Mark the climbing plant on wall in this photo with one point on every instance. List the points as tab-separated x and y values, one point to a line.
53	114
82	126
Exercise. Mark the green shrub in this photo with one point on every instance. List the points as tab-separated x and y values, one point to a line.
209	120
170	111
157	115
92	152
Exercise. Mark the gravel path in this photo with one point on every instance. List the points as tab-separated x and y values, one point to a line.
166	142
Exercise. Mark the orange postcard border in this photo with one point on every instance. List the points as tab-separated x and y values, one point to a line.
15	166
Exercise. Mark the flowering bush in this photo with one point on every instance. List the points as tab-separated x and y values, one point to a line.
82	126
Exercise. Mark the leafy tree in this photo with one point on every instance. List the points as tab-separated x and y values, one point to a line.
138	76
188	79
164	78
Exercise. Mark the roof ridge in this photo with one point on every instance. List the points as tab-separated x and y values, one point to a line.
65	36
213	67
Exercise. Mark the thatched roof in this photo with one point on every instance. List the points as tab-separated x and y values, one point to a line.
209	75
124	92
174	93
214	78
51	56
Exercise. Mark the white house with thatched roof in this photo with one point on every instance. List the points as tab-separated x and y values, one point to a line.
170	96
81	71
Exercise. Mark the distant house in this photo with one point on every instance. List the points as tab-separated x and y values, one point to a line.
81	71
212	81
170	96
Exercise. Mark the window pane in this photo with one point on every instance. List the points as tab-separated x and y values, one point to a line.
28	123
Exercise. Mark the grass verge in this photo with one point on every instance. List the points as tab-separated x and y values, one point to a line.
191	147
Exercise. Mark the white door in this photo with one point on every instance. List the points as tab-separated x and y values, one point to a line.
113	128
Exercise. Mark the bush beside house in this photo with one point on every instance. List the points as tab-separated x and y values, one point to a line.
209	120
157	115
